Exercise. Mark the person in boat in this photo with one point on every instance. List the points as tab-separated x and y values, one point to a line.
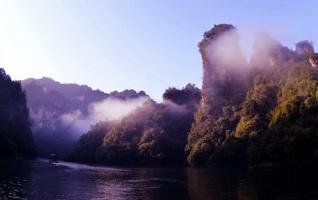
53	158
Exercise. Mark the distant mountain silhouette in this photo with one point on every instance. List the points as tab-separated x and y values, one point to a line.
48	100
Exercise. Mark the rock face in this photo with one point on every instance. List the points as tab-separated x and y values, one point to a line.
222	66
304	47
313	60
224	74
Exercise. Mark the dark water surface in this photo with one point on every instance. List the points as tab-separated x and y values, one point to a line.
37	179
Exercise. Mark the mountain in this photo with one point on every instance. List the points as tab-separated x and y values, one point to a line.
72	95
15	133
259	113
153	134
60	113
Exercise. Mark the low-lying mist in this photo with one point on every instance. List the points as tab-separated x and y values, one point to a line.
151	134
109	109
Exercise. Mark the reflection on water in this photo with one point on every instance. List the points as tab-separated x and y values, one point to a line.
39	180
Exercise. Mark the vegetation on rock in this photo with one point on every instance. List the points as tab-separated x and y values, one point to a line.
269	117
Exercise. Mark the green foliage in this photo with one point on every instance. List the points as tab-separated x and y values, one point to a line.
86	148
154	134
255	110
275	123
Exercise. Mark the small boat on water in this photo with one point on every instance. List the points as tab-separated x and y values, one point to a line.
53	159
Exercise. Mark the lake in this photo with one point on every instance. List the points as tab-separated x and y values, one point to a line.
37	179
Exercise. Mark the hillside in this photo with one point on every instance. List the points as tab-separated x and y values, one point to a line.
263	112
15	133
257	112
154	134
61	113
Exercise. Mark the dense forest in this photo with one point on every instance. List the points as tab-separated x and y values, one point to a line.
15	133
154	134
263	112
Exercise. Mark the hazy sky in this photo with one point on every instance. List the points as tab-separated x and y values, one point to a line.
140	44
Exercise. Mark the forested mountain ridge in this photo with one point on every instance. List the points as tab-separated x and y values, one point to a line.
76	96
154	134
257	112
15	133
60	113
265	115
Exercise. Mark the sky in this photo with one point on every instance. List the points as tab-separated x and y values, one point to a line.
145	45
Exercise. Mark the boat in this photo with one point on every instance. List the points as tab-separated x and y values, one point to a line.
53	159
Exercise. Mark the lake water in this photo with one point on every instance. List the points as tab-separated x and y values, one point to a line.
37	179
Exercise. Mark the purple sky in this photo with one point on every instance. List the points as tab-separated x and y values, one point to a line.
145	45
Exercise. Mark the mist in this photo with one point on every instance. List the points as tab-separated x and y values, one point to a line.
174	108
240	50
110	109
228	61
225	51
